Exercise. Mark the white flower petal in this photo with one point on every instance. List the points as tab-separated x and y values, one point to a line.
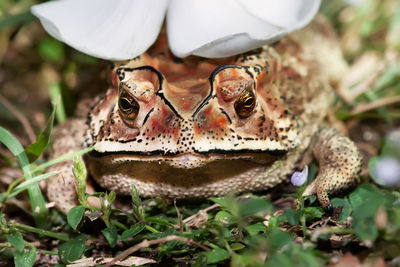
116	30
288	14
226	27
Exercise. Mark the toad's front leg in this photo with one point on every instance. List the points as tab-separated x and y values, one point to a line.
339	165
60	189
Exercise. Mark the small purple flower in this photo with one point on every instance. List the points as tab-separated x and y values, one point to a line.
386	171
299	178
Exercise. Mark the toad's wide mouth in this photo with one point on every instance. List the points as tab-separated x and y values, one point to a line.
189	160
178	174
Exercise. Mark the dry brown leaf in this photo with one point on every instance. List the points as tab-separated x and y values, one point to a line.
348	260
93	261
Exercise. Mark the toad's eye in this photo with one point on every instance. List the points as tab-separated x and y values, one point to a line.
128	106
245	104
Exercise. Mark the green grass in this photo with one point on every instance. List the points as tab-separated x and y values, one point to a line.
247	230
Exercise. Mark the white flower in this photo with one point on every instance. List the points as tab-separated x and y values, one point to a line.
124	29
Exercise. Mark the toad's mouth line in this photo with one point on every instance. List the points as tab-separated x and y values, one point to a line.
197	154
187	160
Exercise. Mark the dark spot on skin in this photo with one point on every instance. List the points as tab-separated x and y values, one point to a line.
177	60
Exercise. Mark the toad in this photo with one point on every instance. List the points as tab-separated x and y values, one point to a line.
193	128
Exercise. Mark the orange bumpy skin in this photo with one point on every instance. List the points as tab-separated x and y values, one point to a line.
193	128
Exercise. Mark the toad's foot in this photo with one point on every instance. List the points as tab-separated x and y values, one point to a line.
339	165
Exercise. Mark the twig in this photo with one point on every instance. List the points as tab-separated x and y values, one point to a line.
375	104
329	230
178	213
365	81
188	219
24	121
147	243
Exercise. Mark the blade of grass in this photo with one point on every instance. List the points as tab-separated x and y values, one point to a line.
59	236
55	95
25	185
61	159
35	195
34	150
12	20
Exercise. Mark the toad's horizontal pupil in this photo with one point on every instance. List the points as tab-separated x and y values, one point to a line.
124	103
249	102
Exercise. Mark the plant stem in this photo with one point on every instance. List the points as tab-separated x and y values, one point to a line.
28	228
5	245
120	225
48	252
151	229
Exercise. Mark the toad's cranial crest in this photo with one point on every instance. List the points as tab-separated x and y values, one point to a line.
227	112
192	128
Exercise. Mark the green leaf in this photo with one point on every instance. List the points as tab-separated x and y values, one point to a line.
134	230
281	259
25	258
237	246
216	255
35	195
80	173
366	230
312	213
250	207
111	234
62	158
365	201
363	220
311	199
225	217
273	222
256	228
225	202
51	50
168	232
73	249
159	221
34	180
361	194
304	257
56	98
12	20
293	216
389	78
346	208
278	238
34	150
16	240
75	216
